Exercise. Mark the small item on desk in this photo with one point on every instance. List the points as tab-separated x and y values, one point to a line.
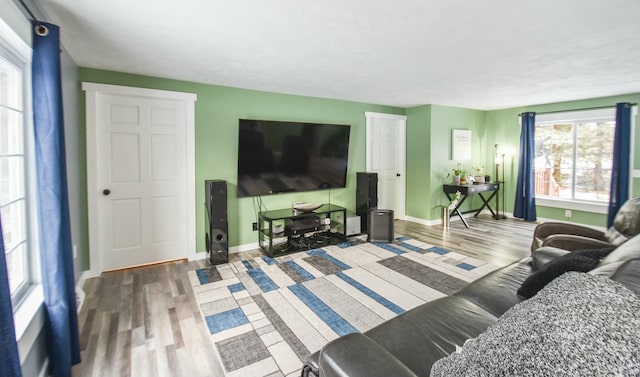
302	207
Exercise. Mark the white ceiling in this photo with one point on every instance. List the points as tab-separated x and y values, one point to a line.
475	54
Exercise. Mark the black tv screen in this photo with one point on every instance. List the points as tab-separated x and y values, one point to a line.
278	157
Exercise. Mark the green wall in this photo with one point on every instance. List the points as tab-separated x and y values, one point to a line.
216	118
428	145
418	199
444	119
429	160
429	153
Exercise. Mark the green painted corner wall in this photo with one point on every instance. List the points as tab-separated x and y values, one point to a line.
418	162
429	130
444	119
217	112
429	154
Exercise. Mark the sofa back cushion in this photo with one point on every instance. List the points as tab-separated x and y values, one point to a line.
629	275
496	292
627	251
430	331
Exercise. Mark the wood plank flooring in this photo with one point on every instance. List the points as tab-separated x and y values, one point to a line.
497	241
145	321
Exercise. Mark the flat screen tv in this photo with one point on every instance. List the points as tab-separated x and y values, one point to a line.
279	157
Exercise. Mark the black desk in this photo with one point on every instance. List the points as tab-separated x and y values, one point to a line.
466	190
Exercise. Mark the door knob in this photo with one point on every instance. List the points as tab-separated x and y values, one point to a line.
106	192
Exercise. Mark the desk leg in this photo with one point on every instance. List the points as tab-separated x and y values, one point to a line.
486	204
455	210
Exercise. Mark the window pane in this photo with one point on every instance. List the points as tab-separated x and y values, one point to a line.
11	179
11	138
10	85
574	160
594	156
554	160
13	229
16	267
13	224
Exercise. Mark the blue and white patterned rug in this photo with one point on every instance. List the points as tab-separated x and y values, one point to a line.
266	315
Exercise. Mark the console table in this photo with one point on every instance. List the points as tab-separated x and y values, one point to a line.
466	190
286	230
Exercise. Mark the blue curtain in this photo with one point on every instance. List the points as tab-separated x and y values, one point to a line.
53	204
9	359
619	192
525	205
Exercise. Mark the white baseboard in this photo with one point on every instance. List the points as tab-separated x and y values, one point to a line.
245	247
453	218
420	221
44	370
232	250
80	295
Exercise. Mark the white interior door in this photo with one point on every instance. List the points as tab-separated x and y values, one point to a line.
140	176
386	146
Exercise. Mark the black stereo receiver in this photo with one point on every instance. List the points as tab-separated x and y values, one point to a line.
302	224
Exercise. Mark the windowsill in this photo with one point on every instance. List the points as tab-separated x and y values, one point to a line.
573	205
28	320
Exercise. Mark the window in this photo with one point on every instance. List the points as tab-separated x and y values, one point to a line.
574	155
14	198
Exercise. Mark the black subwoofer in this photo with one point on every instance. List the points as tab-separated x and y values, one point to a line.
217	225
380	225
366	196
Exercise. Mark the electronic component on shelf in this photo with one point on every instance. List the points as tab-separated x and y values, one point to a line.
302	224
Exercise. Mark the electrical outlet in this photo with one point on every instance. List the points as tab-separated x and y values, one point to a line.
75	251
255	226
567	213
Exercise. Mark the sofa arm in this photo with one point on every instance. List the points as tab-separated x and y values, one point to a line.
572	242
357	355
545	255
547	229
550	229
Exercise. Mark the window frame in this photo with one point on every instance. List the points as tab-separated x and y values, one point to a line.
18	53
600	207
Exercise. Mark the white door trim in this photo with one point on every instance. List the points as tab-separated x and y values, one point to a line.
370	114
402	155
92	91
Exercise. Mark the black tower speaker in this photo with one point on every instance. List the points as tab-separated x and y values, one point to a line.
215	193
366	196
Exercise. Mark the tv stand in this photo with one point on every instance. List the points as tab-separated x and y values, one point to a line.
283	230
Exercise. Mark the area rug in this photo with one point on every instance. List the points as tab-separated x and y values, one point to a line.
266	315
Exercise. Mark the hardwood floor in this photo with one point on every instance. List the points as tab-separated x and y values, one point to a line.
145	321
498	241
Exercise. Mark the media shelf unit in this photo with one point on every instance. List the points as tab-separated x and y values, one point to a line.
283	230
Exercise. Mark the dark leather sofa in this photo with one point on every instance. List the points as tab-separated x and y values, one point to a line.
409	344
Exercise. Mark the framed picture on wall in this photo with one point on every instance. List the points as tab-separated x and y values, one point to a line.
461	145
